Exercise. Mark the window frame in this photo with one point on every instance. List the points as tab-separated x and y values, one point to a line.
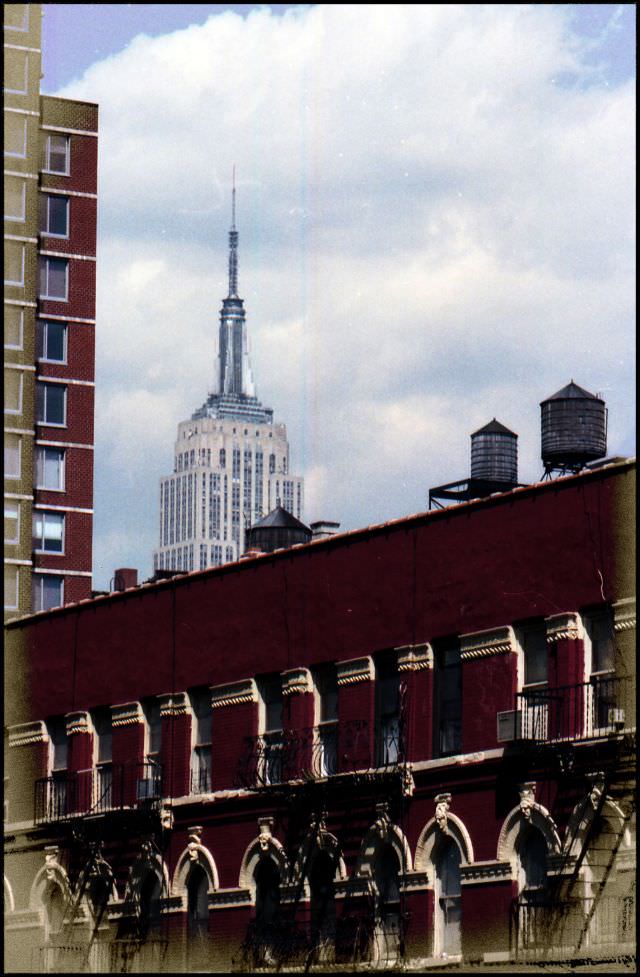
20	344
41	467
13	540
42	332
12	217
46	262
25	80
441	668
8	567
12	282
7	471
54	517
25	20
67	154
39	580
45	215
44	385
23	153
20	374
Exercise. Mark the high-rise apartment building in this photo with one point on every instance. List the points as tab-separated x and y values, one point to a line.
50	194
231	462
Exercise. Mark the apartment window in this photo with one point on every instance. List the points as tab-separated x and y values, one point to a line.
51	341
13	327
48	591
448	915
270	687
51	404
11	521
387	878
11	588
153	730
14	264
15	198
57	154
15	135
600	660
50	469
54	278
223	457
325	680
13	384
16	71
448	697
387	745
58	754
102	740
12	456
532	865
532	639
48	532
16	17
54	215
201	740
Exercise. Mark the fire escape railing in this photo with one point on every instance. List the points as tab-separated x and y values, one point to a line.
317	752
97	790
587	710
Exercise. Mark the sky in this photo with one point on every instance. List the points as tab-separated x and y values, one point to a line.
436	214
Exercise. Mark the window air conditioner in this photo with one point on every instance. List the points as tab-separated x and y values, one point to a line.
615	717
509	726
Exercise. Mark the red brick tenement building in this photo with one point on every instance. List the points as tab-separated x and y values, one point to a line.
409	745
50	222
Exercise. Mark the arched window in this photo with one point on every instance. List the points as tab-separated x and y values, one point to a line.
54	903
532	859
267	880
447	898
387	872
198	902
150	894
323	909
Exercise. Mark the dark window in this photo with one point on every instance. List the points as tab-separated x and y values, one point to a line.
533	639
448	697
51	340
201	740
447	865
387	709
54	275
271	694
323	908
51	403
325	679
57	154
54	216
197	903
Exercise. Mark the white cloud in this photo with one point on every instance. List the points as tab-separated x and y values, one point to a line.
433	230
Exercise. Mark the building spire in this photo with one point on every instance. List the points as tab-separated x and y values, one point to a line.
233	245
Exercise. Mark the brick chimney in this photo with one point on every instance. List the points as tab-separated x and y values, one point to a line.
124	578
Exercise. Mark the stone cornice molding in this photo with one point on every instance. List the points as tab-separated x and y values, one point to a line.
296	681
414	658
28	733
234	693
127	714
228	898
624	614
478	873
483	644
561	627
414	881
355	670
78	722
174	704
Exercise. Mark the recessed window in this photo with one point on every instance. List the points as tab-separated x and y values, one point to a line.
387	743
15	135
54	278
270	719
12	456
153	730
201	740
448	697
50	469
13	384
16	16
57	154
11	521
48	591
14	264
48	532
54	215
11	592
16	71
325	682
51	341
51	404
13	327
15	198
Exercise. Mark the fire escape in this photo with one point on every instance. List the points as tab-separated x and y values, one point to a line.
579	741
102	817
325	787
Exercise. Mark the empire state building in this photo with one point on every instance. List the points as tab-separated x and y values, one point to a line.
231	461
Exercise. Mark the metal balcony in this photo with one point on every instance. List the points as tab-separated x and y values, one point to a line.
588	710
316	752
110	787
